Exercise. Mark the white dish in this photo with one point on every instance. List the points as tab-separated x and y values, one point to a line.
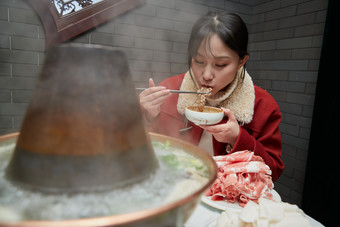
223	205
212	224
312	222
209	116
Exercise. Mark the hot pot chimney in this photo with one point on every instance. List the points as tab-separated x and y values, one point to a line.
83	129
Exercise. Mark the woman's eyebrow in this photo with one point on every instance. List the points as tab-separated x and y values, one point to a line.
222	56
219	57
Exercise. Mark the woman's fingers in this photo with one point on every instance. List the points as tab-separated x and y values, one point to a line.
154	94
151	83
226	132
152	98
155	91
155	102
159	99
229	114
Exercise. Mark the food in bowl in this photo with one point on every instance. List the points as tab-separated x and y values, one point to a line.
209	116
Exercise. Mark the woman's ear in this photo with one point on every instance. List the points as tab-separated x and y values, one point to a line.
243	61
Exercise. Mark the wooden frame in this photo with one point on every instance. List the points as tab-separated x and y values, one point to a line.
62	28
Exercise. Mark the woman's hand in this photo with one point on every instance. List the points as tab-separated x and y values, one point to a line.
227	132
151	100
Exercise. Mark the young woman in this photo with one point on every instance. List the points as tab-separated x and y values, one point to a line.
217	55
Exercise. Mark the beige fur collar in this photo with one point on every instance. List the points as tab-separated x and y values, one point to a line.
239	97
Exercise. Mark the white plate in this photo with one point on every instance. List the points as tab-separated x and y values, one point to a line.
212	224
223	205
313	223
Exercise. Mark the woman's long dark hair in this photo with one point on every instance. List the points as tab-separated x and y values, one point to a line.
229	27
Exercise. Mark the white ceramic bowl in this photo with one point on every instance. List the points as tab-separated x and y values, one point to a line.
209	116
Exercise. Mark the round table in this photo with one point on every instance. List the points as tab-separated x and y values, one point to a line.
206	216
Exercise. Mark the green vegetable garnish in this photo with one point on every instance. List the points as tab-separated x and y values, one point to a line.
167	145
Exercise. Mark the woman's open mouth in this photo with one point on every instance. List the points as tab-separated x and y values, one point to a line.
207	86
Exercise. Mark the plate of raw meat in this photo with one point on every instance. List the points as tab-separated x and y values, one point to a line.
242	176
224	205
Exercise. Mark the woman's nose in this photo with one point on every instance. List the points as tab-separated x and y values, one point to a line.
208	73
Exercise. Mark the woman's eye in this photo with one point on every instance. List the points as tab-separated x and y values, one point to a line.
198	62
221	65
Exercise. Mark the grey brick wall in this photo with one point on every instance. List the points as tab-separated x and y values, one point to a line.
285	45
21	51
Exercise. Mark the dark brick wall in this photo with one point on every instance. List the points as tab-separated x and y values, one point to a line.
285	46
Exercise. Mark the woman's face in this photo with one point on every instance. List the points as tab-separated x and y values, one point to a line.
215	65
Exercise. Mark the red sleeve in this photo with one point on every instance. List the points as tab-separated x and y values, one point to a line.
263	136
268	146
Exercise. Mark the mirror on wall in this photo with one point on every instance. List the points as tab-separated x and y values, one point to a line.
65	19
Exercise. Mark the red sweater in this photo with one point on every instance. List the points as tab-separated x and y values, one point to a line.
261	135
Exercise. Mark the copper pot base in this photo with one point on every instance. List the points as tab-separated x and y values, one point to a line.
171	214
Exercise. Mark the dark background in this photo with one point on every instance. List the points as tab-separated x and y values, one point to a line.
321	195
